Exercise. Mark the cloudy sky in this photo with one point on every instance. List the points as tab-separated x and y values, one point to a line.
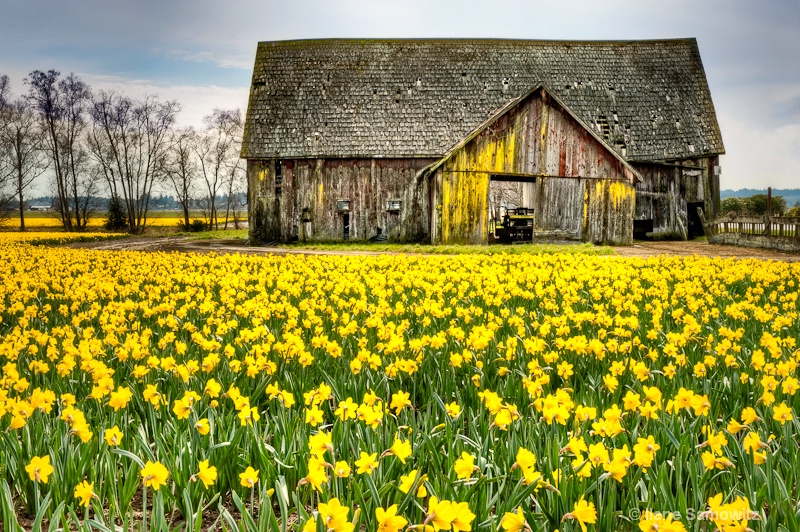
200	52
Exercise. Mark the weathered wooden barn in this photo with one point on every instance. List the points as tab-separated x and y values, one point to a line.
358	139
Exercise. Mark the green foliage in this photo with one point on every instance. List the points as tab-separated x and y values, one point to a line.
195	226
117	217
732	206
758	204
754	205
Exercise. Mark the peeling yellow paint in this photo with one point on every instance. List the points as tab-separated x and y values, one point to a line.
620	192
543	136
585	209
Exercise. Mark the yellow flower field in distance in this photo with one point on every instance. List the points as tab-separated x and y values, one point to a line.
53	222
470	392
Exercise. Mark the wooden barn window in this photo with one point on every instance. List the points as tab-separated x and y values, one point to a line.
343	205
393	205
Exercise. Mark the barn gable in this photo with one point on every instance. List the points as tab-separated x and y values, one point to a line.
570	172
416	98
567	153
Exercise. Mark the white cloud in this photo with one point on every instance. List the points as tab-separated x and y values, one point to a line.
760	158
196	101
215	58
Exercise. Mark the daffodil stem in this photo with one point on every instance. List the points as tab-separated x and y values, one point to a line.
252	498
144	508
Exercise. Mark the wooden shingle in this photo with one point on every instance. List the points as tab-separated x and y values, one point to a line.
336	98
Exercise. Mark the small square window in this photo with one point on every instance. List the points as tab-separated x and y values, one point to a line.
393	205
343	205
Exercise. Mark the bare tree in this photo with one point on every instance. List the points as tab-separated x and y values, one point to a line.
235	176
129	141
6	172
22	137
504	195
61	105
5	88
218	154
182	167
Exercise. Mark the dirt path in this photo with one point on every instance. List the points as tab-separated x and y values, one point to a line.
639	249
703	249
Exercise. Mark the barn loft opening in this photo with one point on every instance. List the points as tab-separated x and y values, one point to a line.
602	125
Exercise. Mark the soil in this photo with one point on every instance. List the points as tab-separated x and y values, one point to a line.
703	249
639	249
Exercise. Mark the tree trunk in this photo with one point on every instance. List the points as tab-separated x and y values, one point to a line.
21	208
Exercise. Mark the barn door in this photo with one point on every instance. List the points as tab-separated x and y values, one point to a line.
346	226
695	225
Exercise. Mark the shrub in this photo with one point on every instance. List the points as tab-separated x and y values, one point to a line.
196	226
117	219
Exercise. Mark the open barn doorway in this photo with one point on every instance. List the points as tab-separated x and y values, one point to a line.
695	228
511	213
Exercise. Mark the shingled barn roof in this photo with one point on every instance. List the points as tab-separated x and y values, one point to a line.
418	98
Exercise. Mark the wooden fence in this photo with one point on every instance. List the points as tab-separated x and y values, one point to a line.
756	225
781	233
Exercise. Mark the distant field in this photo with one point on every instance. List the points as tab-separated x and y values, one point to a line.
48	220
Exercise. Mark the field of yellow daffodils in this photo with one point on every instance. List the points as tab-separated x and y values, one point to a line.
333	393
51	222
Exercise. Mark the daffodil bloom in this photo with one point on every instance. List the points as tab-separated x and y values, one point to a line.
464	466
207	474
314	416
84	493
249	477
525	458
113	436
152	395
514	522
320	443
212	388
181	408
39	469
341	469
659	522
645	451
408	481
367	463
453	409
154	475
317	476
346	409
203	427
401	449
441	514
400	400
782	413
583	512
120	398
388	520
334	515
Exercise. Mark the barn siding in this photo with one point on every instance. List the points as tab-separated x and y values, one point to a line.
662	196
608	212
537	139
559	205
312	187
